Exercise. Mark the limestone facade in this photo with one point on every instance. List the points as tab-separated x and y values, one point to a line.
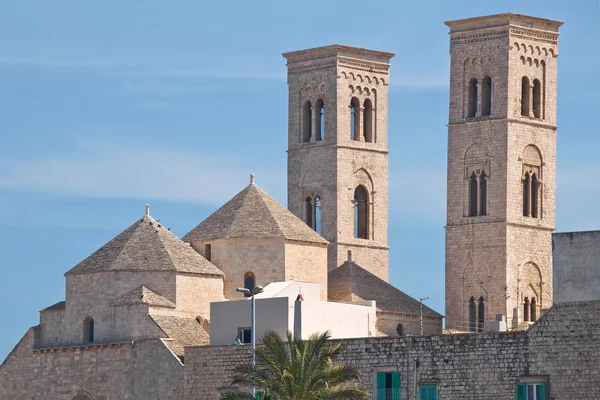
501	138
560	350
325	162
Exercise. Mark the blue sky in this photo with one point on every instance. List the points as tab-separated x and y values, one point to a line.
106	106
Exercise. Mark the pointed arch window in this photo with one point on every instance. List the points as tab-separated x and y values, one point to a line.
308	210
320	127
88	330
368	121
527	195
537	98
534	195
533	313
361	213
525	97
472	314
481	315
526	309
307	122
472	104
317	226
354	119
486	97
483	193
249	282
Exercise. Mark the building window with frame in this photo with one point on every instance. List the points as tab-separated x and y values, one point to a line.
208	251
307	110
472	104
320	126
531	391
88	330
486	97
361	213
317	226
472	315
478	193
427	392
525	97
354	119
308	206
245	335
249	282
388	386
481	315
368	121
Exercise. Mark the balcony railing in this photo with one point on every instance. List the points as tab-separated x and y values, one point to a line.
387	394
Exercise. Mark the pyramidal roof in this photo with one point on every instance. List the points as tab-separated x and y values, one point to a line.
143	295
351	278
252	213
146	246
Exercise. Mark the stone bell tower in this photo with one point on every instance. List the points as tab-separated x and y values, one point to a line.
337	150
501	169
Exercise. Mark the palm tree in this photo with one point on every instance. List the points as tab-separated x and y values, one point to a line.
297	370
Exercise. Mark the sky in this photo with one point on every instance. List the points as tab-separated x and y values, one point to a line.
106	106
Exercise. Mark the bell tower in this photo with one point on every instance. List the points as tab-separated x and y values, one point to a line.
501	169
337	150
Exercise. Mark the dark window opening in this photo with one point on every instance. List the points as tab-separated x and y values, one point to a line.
368	121
525	96
486	97
473	195
320	127
481	315
361	213
527	195
249	282
534	196
309	211
318	214
88	330
483	193
472	108
306	122
208	251
245	335
400	330
472	314
537	98
526	310
533	309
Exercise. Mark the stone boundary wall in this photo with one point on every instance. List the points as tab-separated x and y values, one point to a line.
562	348
132	370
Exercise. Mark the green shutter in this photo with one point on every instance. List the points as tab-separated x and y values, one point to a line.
543	391
432	393
521	391
423	393
396	380
258	396
381	386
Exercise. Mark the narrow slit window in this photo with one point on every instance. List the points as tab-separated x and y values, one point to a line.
525	96
526	309
472	104
306	122
361	213
481	315
318	214
249	282
472	314
308	206
320	127
473	195
354	119
368	121
486	97
537	98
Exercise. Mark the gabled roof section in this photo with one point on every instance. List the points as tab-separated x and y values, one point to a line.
351	279
143	295
146	246
56	307
253	214
183	332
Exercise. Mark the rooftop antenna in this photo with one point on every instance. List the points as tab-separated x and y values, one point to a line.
147	210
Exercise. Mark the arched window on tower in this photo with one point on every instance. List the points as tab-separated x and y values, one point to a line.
361	213
473	195
537	98
534	195
533	309
249	281
354	119
481	315
400	330
483	193
88	330
527	195
525	93
308	207
486	96
320	127
472	314
318	214
526	309
472	106
368	121
306	122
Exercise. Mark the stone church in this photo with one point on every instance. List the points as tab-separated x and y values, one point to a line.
132	307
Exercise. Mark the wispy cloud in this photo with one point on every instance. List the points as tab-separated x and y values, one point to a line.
112	171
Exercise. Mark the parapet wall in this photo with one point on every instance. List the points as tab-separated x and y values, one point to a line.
562	349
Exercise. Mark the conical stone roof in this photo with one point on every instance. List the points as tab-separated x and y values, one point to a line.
253	214
146	246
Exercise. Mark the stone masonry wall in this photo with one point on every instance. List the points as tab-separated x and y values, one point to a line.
144	370
562	349
307	262
508	256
